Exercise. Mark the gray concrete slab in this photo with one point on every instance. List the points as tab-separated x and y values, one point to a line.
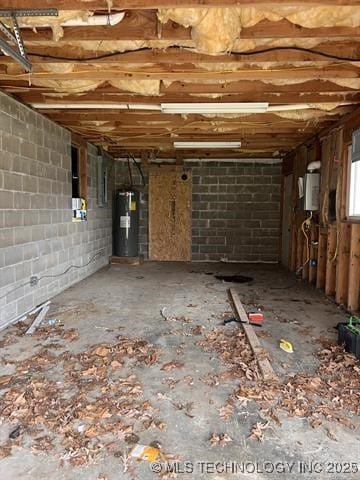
126	300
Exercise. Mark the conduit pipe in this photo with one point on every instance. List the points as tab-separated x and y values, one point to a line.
96	20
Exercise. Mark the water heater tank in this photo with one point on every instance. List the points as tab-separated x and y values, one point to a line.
126	242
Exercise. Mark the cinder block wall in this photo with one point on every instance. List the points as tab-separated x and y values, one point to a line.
235	210
37	235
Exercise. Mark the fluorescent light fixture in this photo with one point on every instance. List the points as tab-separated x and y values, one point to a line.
255	107
96	106
207	144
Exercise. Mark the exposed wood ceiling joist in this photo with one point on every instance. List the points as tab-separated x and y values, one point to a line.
144	4
148	63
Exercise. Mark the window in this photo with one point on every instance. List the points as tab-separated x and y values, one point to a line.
78	178
75	172
354	177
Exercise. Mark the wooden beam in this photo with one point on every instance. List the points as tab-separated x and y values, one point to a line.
39	95
144	4
354	269
258	350
40	53
180	72
252	87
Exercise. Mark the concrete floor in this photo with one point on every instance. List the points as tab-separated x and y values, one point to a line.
127	300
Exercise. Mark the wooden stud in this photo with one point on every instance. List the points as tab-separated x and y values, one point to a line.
321	261
354	269
314	238
331	259
342	265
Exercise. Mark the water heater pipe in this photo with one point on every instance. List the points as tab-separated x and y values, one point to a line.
314	166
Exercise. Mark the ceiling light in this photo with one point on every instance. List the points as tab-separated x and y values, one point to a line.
98	106
255	107
207	144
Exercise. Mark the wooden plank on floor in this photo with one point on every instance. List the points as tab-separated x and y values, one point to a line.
258	350
354	269
37	320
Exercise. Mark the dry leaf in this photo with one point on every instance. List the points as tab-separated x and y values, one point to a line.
258	429
5	379
220	439
331	434
102	351
226	412
171	365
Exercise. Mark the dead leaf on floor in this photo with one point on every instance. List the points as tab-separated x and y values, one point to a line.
330	433
72	334
257	431
234	352
220	439
101	476
101	351
189	380
171	365
5	379
270	412
185	406
197	330
315	422
5	450
170	382
226	412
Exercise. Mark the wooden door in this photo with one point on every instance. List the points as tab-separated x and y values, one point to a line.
286	221
170	213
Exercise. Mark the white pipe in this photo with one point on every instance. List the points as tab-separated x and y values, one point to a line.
314	166
96	20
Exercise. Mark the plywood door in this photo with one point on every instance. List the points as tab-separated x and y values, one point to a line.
286	220
170	213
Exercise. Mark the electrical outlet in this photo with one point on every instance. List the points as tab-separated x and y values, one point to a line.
34	280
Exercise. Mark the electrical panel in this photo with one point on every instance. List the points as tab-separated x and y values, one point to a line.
311	189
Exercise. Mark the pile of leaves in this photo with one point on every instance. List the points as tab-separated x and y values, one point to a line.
331	393
234	352
84	403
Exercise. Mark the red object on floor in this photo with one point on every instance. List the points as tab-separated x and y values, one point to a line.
256	318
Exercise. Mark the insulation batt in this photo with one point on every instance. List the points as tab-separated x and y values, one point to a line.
215	30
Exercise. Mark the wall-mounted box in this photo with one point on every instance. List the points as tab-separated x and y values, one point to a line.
312	191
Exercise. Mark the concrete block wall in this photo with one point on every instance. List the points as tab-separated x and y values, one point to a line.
37	235
235	210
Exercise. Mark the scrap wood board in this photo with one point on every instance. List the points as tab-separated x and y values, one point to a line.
258	350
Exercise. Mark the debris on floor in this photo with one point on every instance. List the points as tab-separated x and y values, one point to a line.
234	278
88	406
331	394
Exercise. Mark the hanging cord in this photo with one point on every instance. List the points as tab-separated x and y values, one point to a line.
99	253
139	169
306	222
130	173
